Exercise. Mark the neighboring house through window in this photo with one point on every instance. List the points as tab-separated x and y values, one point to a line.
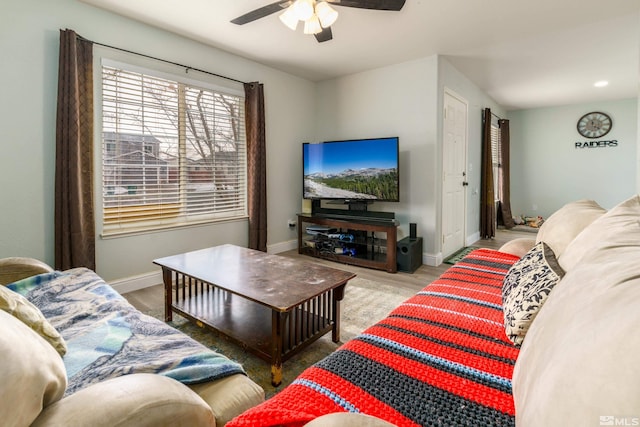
173	153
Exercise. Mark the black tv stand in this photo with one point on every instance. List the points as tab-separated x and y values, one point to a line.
351	232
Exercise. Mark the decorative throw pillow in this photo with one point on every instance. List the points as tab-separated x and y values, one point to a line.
22	309
525	289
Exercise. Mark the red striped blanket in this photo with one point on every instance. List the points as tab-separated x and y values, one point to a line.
440	358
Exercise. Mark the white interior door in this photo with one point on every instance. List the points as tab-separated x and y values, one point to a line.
454	176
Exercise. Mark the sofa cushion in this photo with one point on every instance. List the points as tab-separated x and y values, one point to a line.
525	289
33	375
20	307
518	247
580	359
566	223
596	235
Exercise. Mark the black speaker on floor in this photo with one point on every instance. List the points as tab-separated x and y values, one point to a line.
413	230
409	254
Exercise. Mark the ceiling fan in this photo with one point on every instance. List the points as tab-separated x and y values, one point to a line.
318	16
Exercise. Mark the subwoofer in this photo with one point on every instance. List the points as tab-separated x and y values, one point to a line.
409	254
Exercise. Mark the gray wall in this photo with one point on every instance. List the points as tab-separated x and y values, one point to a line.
547	170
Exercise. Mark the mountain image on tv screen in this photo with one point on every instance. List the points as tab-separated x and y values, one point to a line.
360	169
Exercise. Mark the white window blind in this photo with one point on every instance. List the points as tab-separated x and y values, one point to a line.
496	156
172	153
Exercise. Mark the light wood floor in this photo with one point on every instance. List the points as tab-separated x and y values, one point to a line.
152	298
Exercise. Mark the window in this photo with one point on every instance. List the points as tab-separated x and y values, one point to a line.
172	153
496	157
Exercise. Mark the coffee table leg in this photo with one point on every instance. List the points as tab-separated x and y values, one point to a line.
166	278
338	295
278	320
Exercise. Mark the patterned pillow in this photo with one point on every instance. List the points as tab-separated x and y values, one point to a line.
22	309
526	287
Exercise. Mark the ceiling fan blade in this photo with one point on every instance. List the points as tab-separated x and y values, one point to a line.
261	12
394	5
325	35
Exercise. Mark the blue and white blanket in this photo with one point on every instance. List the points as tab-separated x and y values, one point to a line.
107	337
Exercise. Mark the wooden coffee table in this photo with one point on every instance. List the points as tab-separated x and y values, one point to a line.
271	305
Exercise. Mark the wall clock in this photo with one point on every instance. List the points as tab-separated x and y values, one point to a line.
594	125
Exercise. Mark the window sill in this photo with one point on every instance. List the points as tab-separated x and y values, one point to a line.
115	234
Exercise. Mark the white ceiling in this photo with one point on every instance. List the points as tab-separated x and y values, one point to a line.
524	54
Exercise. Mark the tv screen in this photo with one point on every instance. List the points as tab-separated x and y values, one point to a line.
360	170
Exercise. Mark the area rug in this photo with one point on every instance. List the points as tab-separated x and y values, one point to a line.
365	302
457	256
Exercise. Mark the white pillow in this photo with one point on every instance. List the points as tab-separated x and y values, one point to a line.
32	372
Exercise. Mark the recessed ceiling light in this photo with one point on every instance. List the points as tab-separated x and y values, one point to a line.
601	83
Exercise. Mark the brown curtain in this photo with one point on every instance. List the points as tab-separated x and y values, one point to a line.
74	217
256	165
504	181
487	196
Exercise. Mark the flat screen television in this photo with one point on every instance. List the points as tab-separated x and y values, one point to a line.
359	170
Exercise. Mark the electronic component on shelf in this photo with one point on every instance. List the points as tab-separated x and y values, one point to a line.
319	229
345	251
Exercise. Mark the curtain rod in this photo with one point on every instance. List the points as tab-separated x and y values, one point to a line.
186	67
496	116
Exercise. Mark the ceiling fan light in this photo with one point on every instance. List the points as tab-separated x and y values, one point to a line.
326	14
312	25
303	9
289	18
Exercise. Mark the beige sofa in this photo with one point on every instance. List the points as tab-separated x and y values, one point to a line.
578	364
578	360
34	381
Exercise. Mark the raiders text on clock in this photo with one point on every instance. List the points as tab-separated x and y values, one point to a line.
597	144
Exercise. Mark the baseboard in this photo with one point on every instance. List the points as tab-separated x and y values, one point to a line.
472	238
130	284
432	260
282	246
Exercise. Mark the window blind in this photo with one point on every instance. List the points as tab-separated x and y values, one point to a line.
172	153
496	157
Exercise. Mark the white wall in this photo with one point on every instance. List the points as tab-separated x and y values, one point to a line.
406	100
547	170
399	100
29	40
403	100
449	77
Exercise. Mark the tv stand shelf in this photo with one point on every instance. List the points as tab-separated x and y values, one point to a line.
363	247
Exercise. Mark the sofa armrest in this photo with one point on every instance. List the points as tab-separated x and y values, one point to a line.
518	247
16	268
229	397
136	400
347	419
